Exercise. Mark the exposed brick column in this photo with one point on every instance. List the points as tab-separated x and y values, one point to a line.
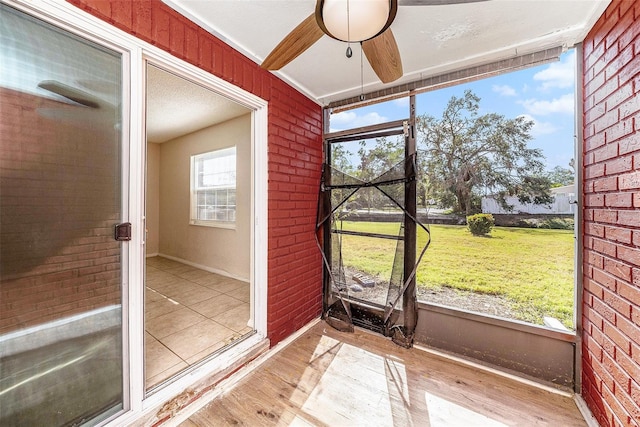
611	298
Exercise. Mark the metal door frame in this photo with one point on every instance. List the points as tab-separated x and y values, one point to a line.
355	311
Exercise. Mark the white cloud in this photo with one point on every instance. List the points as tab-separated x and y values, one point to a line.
401	102
350	119
540	128
543	128
557	75
537	107
504	90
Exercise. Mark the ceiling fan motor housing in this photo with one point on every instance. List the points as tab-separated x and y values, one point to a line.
355	20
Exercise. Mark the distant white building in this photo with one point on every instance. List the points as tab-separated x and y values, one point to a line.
563	203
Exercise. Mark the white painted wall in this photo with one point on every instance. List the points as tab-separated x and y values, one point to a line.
219	249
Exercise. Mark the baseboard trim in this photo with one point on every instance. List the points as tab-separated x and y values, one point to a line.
204	267
585	411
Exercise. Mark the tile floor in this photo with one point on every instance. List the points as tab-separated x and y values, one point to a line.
189	314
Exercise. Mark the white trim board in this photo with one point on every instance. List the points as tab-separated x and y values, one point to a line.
585	411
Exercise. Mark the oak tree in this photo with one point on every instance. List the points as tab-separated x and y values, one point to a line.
464	155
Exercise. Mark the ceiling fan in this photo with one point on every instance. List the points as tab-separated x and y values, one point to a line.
353	21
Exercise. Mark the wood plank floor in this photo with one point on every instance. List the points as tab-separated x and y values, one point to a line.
329	378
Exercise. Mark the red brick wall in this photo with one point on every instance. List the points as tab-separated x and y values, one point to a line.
611	299
58	208
294	149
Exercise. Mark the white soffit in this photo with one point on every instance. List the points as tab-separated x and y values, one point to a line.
432	40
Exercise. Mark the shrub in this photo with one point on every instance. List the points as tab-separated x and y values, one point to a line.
480	224
526	223
558	223
554	223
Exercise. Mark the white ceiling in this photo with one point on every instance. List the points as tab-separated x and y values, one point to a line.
432	39
177	107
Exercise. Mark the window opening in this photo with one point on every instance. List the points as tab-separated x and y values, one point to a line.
524	269
213	188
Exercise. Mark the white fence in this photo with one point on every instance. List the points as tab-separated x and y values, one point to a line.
562	204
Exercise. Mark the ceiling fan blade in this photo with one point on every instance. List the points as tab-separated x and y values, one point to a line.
71	93
434	2
297	41
383	55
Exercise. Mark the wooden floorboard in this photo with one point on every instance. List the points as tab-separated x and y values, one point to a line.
329	378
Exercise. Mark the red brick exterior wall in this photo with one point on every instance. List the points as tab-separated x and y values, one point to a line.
611	298
294	150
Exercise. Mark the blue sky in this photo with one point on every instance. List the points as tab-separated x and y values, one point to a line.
544	94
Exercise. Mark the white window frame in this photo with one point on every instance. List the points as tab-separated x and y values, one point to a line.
196	160
137	404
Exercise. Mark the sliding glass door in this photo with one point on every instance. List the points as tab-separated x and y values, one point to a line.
61	200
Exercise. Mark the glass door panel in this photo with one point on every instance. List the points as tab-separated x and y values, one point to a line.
61	269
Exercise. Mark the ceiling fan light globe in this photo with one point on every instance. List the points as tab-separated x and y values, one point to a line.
367	18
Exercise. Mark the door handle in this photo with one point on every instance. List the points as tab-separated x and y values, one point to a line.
123	232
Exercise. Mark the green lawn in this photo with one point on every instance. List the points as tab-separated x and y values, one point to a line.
533	268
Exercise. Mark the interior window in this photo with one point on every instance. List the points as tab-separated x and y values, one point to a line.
213	187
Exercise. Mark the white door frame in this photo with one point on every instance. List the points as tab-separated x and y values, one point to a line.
258	274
